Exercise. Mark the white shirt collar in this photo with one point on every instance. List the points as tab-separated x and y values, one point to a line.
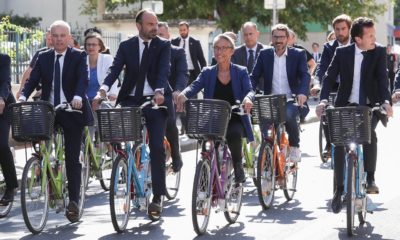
253	48
141	41
63	53
284	54
348	43
358	50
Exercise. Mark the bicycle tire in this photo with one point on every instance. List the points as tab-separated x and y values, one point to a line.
106	165
266	175
201	197
120	194
362	183
350	196
4	210
235	193
83	185
84	159
289	188
172	179
33	189
322	142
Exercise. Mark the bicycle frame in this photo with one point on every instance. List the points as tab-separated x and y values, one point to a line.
277	135
91	151
354	155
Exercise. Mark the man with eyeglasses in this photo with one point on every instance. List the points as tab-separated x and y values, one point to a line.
285	72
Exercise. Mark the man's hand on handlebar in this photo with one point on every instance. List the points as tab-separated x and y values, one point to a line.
388	109
301	99
158	98
247	105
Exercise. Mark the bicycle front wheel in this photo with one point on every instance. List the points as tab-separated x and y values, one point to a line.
201	197
34	196
105	166
84	159
120	194
289	188
84	181
266	175
172	179
233	197
322	142
351	195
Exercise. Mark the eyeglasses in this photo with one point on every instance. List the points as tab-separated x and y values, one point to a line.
279	37
91	45
222	49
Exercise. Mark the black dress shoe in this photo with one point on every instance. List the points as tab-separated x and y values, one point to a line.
72	212
372	188
155	205
7	197
177	165
336	204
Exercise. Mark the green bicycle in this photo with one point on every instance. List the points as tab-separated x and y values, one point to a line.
250	154
44	183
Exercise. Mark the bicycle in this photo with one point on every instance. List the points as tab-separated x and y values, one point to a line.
214	184
351	127
172	179
96	154
274	170
4	210
131	175
43	182
321	133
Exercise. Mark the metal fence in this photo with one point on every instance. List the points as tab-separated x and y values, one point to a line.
20	47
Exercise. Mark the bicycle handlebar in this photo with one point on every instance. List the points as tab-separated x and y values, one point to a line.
154	105
66	107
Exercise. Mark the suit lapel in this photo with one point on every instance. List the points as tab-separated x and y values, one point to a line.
289	64
212	81
235	82
66	64
352	50
270	67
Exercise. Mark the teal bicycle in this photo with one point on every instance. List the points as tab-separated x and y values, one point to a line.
131	176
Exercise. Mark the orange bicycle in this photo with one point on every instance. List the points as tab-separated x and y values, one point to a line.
274	170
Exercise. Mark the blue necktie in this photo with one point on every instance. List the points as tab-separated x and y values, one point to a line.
144	65
57	80
362	95
250	61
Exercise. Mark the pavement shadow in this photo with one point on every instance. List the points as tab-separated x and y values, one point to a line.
365	231
230	231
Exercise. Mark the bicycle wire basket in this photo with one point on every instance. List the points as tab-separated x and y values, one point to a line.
207	119
349	125
31	121
119	124
269	109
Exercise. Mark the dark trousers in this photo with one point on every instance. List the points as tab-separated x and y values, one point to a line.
370	155
73	131
6	158
171	132
292	128
234	135
156	123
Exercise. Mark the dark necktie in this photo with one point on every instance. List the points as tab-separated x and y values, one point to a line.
144	65
362	95
250	61
184	44
57	81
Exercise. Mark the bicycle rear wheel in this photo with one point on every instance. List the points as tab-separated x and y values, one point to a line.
84	180
84	159
106	166
266	175
172	179
34	196
4	210
120	194
233	197
201	197
351	195
290	180
322	142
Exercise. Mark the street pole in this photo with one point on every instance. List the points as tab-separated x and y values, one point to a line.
274	13
64	10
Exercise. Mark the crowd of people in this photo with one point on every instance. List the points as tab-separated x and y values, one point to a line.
172	71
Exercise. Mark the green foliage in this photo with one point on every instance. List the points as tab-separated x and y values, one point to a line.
232	13
26	39
24	21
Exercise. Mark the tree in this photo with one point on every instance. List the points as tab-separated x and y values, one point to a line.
230	14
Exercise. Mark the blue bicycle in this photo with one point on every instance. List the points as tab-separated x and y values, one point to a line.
131	175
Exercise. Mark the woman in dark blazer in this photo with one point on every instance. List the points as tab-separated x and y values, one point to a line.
6	157
229	82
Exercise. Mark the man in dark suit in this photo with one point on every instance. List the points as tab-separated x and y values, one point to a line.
194	57
62	71
363	80
6	157
341	26
146	59
316	55
178	79
247	54
285	72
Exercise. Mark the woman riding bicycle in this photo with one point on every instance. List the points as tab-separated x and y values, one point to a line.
229	82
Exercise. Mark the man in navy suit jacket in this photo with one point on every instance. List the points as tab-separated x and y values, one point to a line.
363	80
178	79
6	157
74	82
129	54
285	72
